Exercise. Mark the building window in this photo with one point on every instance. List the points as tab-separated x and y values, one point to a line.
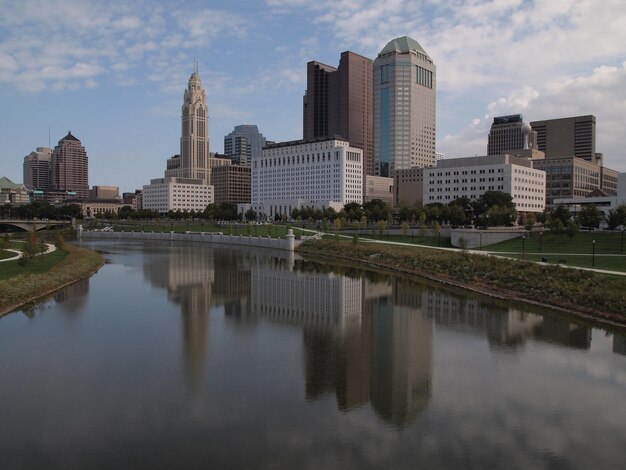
384	74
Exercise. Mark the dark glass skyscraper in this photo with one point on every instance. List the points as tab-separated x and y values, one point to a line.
339	101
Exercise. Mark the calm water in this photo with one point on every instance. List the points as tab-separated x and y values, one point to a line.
182	356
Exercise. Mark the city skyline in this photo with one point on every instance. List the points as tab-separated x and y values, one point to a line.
115	76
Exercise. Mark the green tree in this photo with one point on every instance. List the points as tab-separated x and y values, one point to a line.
616	217
555	225
562	213
571	229
437	229
381	226
405	229
590	216
324	225
422	218
456	215
60	244
376	209
209	211
5	242
250	214
353	211
125	212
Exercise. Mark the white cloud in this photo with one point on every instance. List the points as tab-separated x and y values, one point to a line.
601	93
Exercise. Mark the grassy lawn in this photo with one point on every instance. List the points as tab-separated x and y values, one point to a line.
19	285
443	242
40	264
6	254
262	230
606	243
610	263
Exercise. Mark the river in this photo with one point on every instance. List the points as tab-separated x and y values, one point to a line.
192	356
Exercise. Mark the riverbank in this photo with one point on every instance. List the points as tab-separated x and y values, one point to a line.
21	289
585	294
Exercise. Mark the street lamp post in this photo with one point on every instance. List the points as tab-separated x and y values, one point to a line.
481	241
622	247
524	246
593	253
541	242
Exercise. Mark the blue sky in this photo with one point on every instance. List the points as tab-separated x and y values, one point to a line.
114	71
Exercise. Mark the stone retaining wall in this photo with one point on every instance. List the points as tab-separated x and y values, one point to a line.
482	238
288	243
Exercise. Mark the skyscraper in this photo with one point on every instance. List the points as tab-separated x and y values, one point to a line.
568	137
339	101
506	134
70	167
404	107
37	169
194	140
316	101
244	144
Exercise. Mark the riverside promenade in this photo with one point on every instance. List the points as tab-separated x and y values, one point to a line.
289	243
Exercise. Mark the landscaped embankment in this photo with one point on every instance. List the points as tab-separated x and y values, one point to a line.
20	288
588	294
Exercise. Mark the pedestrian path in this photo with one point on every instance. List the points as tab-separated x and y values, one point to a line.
489	253
18	254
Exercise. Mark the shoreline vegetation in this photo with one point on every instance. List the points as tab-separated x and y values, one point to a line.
21	289
587	295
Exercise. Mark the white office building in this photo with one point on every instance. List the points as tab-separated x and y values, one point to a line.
473	176
165	194
315	173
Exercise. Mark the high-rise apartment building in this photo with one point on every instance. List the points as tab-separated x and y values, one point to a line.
194	140
316	101
244	144
404	107
509	133
339	101
70	167
567	137
37	169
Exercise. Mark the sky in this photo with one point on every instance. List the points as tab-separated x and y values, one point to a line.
114	72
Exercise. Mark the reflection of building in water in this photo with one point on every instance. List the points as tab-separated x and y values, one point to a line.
357	343
504	326
566	334
401	358
188	275
304	298
72	298
619	344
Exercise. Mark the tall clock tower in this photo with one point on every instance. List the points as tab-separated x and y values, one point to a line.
194	140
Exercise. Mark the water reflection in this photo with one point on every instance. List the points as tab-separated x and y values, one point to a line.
283	358
366	338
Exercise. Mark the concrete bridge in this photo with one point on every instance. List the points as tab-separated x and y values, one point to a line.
32	225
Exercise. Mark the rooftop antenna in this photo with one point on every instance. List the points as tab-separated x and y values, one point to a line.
195	67
49	137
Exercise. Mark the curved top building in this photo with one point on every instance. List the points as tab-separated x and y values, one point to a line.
404	107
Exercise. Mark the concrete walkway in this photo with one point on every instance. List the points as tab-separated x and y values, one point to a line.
490	253
18	254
